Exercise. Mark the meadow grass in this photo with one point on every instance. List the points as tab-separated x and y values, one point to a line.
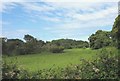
46	60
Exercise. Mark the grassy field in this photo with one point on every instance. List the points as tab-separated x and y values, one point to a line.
45	60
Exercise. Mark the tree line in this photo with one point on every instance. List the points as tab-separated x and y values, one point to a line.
32	45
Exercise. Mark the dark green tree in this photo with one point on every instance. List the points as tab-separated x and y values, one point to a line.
100	39
28	38
116	32
3	45
70	43
14	46
32	45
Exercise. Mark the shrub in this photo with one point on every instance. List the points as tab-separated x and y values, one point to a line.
52	48
104	67
11	70
56	49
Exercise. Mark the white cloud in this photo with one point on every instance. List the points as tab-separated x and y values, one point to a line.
76	21
70	9
5	6
61	0
36	7
71	16
96	15
81	0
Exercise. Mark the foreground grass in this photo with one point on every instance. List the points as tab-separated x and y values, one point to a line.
47	60
104	65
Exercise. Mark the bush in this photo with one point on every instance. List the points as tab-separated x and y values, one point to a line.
56	49
104	67
10	70
52	48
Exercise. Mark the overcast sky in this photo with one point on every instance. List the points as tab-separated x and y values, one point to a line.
47	20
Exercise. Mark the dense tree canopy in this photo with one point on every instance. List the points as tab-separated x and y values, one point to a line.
70	43
11	46
116	32
100	39
3	45
32	45
106	38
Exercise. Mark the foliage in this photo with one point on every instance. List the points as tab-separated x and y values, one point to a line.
56	49
116	32
19	47
100	39
3	45
52	48
70	43
104	67
32	45
11	70
11	46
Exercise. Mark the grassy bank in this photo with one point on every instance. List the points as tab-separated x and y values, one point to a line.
48	60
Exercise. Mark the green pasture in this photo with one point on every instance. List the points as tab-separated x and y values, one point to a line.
46	60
